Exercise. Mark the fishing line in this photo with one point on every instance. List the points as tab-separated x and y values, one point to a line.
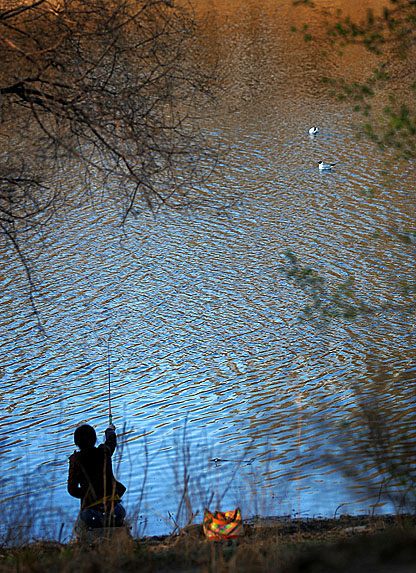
109	381
102	340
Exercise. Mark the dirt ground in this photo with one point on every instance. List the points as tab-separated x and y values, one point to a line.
348	544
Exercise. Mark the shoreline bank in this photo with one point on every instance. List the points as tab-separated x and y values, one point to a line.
346	544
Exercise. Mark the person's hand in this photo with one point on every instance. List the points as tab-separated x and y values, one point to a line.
111	427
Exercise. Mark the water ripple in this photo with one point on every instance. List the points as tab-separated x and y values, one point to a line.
204	328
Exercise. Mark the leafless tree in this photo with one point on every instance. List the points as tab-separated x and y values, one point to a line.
109	89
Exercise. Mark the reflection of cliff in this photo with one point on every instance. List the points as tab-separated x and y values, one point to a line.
259	55
356	8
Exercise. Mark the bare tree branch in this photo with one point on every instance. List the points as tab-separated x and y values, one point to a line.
110	86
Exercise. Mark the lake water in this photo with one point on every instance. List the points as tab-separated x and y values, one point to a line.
209	358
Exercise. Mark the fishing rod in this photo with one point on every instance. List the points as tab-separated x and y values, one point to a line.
110	417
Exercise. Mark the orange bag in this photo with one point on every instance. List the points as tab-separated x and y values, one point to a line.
218	525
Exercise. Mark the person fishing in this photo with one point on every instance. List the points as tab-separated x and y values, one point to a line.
91	479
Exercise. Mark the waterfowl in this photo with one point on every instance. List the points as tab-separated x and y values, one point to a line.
325	166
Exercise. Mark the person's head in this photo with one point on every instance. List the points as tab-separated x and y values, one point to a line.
85	437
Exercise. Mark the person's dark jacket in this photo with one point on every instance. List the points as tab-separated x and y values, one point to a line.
90	476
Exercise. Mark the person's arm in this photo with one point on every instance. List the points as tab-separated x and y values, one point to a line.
74	486
110	438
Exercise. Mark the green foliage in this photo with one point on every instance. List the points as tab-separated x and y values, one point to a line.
329	301
389	36
394	27
326	301
375	442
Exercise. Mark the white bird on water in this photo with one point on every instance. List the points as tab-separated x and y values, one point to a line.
313	130
325	166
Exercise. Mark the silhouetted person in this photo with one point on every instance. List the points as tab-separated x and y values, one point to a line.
91	479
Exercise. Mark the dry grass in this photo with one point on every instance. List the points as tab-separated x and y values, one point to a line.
344	545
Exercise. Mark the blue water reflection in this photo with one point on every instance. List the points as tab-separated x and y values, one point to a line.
205	332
